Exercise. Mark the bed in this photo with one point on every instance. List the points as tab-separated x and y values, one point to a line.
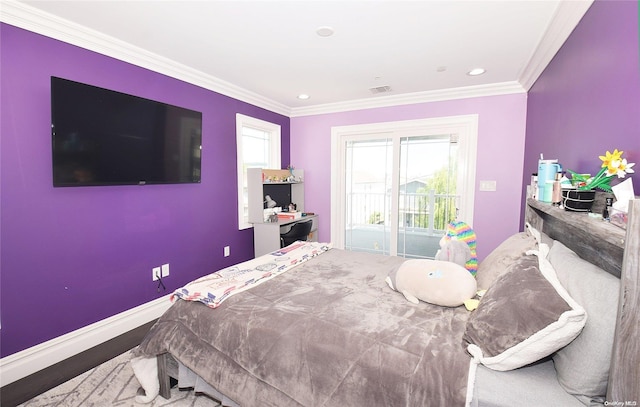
330	332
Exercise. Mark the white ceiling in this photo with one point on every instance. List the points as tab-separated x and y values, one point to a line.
269	50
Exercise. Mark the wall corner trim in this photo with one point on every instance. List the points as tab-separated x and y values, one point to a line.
21	364
567	16
467	92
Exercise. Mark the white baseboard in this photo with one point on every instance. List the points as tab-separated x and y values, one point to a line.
21	364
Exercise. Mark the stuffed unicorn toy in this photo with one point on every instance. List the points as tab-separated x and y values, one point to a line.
461	231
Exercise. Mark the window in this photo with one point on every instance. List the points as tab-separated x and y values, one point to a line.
258	146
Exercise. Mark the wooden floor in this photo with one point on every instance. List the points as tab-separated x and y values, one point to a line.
27	388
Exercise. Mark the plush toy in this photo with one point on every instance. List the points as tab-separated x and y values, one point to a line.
454	251
433	281
461	231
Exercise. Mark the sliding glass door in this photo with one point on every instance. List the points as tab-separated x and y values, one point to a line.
400	194
396	190
369	189
427	193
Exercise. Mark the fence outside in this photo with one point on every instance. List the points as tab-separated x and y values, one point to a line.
422	220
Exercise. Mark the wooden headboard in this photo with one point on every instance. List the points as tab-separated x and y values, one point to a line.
616	251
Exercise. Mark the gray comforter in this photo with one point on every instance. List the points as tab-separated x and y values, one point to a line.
327	333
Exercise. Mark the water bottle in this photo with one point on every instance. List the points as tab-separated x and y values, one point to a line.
547	170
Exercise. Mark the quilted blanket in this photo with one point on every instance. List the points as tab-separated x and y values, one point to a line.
214	288
329	332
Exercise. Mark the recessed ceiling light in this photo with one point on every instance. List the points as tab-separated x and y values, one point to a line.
303	96
476	71
324	31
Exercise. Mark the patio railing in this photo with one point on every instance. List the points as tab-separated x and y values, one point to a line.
428	211
422	220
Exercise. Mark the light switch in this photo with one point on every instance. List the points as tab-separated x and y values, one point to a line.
487	185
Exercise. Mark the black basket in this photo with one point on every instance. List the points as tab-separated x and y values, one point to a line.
578	201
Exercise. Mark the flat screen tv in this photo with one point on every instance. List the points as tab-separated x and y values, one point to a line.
103	137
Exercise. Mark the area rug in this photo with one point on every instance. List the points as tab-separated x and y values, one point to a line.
112	384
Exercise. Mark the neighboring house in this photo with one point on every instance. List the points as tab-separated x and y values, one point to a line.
413	186
79	256
373	198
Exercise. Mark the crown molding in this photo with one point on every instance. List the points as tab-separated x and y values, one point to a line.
29	18
466	92
37	21
566	18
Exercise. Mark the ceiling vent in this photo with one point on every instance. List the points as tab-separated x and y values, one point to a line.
380	89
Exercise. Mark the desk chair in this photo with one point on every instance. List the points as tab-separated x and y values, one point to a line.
299	231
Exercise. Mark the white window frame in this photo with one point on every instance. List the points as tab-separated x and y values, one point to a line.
465	126
274	158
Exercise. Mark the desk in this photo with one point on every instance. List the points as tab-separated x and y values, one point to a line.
266	235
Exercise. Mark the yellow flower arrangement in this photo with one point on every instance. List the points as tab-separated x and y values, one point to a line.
612	164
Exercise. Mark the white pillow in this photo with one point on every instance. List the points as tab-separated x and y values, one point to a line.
583	365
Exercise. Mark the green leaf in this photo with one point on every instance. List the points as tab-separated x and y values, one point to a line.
578	177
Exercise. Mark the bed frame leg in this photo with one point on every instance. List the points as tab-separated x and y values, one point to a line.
163	376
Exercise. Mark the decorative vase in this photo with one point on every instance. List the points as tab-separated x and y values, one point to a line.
578	201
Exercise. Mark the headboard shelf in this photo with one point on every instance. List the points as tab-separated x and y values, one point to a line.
618	252
594	240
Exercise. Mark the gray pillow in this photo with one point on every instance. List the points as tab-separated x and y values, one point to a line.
524	316
503	256
583	365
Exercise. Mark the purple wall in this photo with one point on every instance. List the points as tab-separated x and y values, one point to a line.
587	101
73	256
501	130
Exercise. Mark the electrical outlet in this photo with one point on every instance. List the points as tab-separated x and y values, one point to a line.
165	270
156	272
227	251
